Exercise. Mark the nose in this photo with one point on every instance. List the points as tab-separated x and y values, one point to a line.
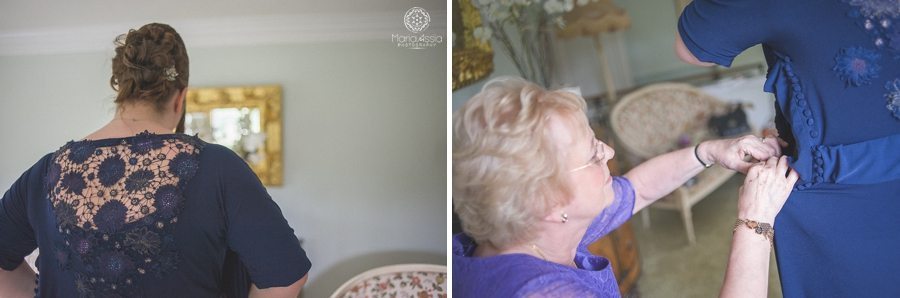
608	153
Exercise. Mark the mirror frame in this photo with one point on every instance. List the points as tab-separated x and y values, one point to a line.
475	59
266	98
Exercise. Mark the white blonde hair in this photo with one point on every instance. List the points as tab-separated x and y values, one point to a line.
507	169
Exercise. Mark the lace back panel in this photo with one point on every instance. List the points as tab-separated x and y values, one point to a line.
116	205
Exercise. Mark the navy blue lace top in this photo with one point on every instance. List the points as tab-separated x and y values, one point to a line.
147	216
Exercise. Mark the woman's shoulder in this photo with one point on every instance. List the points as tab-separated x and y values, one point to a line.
510	275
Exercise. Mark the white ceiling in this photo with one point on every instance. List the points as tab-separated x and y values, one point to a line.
33	14
67	26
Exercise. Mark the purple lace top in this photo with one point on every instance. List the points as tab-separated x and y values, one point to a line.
518	275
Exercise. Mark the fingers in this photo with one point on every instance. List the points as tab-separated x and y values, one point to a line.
773	142
771	163
782	142
792	178
742	167
753	173
782	166
757	147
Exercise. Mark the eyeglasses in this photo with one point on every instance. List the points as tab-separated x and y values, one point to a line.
595	160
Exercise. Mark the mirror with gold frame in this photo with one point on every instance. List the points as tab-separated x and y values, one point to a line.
245	119
473	59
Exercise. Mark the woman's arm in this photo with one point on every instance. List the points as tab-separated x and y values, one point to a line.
18	282
291	291
661	175
765	191
747	274
685	55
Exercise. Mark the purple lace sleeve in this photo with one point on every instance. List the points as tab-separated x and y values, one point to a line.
614	215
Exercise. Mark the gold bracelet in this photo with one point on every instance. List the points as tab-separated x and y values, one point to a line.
764	229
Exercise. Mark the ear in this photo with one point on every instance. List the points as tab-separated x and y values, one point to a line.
179	101
555	215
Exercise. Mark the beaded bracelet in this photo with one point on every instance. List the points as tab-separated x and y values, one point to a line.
761	228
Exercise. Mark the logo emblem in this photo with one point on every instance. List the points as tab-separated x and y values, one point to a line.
416	19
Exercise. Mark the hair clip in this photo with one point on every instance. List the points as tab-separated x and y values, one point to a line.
171	73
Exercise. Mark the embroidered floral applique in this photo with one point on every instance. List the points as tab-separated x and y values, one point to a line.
879	18
857	66
876	9
116	207
893	97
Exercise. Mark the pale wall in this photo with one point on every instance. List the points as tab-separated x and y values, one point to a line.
648	46
364	139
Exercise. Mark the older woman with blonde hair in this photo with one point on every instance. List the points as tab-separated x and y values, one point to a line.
532	189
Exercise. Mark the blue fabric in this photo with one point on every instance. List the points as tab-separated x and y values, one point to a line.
208	228
831	68
521	275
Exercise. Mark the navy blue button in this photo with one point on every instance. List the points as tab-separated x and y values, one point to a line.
813	133
809	121
806	112
802	103
800	96
820	171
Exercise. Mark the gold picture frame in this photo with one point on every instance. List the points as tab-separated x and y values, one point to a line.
246	119
473	59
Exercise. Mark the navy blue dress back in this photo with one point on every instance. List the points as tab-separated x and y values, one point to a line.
834	67
147	216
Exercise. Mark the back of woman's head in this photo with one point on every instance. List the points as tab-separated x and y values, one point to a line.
150	65
507	169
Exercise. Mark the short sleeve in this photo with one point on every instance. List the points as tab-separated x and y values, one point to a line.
716	31
257	230
16	235
614	215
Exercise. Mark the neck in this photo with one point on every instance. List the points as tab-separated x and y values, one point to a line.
556	243
138	118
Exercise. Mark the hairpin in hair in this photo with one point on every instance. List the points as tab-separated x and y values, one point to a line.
171	73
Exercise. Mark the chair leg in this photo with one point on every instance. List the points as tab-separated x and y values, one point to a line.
645	217
688	223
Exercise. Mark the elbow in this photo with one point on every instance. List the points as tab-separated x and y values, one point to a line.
291	291
685	54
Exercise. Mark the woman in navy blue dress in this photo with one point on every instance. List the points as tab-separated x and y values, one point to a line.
834	67
135	210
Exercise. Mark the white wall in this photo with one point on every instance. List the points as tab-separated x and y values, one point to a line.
648	47
364	139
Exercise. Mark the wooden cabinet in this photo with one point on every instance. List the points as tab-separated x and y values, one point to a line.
620	247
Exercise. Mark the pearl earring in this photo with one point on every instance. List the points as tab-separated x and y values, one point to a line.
565	217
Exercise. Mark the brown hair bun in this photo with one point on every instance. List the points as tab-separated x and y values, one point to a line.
143	56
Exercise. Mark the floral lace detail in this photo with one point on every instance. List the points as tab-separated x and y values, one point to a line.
857	66
116	205
877	8
893	97
879	18
405	284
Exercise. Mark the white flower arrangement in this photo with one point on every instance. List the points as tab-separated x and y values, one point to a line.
523	28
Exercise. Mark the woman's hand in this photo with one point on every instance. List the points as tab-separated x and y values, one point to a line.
765	190
739	154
